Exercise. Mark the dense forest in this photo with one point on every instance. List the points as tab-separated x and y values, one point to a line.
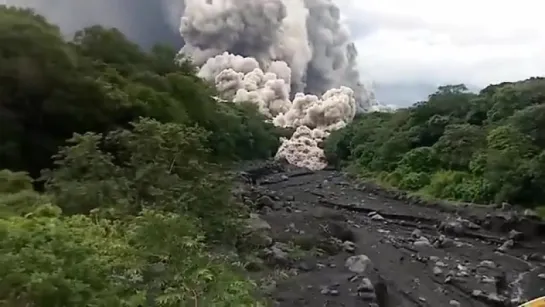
114	189
486	147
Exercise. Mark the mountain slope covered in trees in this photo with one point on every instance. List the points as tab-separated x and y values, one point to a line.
483	148
128	151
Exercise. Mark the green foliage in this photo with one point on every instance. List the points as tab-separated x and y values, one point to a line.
455	185
485	147
131	146
421	159
159	166
458	144
53	260
414	181
98	82
138	210
13	182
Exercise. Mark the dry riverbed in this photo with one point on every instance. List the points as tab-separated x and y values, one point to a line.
325	240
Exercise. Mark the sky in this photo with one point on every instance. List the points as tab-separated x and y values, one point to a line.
406	48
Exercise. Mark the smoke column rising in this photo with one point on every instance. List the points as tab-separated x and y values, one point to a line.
305	34
270	51
267	52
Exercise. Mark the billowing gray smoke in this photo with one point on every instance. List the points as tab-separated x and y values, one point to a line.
293	59
306	34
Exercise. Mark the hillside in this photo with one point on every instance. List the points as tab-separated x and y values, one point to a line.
123	182
479	148
136	194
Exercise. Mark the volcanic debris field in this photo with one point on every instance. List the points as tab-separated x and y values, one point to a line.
327	240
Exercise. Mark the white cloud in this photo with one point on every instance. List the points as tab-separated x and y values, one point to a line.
475	42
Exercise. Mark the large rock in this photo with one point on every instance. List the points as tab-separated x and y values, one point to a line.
358	264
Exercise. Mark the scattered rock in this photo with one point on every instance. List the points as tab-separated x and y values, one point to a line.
443	242
417	233
266	201
349	246
366	285
487	264
468	224
328	231
277	255
422	242
516	235
506	246
505	206
530	213
452	228
535	257
377	217
331	246
329	291
454	303
358	264
488	280
340	231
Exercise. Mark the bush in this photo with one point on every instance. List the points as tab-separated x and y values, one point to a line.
414	181
458	186
51	260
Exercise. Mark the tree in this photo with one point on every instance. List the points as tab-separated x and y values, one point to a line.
458	144
483	147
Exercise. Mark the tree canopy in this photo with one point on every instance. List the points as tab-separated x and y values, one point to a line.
484	147
100	81
127	150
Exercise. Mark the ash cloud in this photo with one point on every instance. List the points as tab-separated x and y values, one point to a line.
306	34
293	59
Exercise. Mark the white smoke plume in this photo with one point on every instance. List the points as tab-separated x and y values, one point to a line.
268	52
308	35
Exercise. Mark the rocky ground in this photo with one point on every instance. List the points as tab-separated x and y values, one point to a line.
326	240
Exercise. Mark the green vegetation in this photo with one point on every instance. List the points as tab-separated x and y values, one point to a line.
482	148
113	189
127	151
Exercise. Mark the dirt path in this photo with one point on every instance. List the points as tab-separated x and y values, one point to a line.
332	244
